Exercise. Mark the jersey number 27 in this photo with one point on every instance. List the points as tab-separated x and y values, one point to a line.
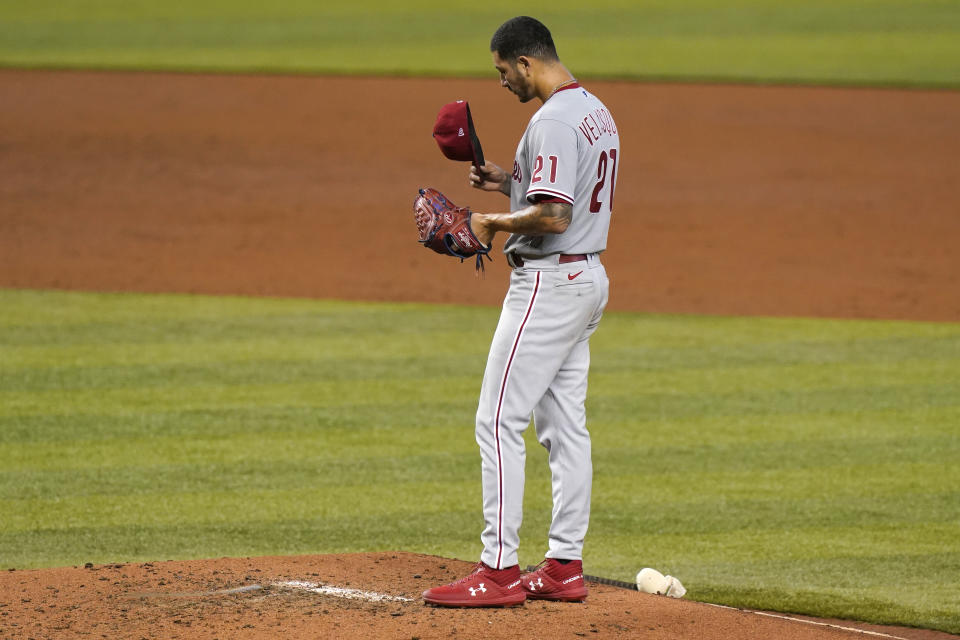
606	168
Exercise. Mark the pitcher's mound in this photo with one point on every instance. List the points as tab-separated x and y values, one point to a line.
373	595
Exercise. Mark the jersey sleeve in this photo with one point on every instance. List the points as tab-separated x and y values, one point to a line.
552	156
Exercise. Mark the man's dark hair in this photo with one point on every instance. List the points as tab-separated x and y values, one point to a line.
523	36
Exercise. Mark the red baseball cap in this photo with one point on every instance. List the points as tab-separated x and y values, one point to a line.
455	134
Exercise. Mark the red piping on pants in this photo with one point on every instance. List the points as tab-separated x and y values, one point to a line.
503	387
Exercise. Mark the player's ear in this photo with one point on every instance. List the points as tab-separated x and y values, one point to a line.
523	65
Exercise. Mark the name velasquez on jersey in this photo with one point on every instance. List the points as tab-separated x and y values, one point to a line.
569	153
596	124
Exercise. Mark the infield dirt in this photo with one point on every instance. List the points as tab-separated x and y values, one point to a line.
731	200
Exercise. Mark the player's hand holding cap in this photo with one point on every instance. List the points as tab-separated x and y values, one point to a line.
455	134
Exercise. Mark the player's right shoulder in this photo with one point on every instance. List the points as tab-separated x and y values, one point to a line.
549	129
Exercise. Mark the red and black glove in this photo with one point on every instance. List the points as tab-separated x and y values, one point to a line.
445	227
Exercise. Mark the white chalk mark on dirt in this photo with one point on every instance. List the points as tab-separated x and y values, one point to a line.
813	622
197	594
312	587
341	592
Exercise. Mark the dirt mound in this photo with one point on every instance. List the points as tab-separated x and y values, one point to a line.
374	595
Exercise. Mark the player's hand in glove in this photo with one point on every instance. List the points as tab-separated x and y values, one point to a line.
445	227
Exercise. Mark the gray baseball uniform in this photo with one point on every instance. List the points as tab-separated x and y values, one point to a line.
539	357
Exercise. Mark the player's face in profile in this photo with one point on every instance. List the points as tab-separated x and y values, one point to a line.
511	77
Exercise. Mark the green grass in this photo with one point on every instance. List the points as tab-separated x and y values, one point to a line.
874	42
797	465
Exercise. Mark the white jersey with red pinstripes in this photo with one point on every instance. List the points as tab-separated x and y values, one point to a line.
570	153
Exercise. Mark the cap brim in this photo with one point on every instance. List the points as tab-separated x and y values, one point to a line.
474	141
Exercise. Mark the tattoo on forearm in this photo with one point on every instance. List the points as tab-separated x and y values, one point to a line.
537	219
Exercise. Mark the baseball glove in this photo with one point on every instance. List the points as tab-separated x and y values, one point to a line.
445	227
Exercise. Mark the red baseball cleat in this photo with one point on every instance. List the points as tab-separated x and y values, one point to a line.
484	587
553	580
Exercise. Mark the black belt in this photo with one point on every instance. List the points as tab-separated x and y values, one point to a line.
564	258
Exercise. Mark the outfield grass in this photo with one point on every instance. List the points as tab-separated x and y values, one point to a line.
875	42
797	465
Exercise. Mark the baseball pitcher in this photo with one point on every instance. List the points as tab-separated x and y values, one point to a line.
561	188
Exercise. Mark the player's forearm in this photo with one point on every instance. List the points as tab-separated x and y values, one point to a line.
535	220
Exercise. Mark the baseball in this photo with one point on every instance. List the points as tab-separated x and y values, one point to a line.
652	581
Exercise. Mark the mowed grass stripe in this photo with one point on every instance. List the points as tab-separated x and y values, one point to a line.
657	427
752	545
443	533
259	456
242	475
218	422
711	513
884	369
664	430
761	404
316	366
378	391
201	396
142	450
727	451
886	476
339	444
102	328
146	452
214	505
704	513
880	41
98	316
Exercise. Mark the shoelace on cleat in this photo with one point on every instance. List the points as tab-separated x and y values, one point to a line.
476	569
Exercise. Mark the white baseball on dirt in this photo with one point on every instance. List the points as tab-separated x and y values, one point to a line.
674	588
652	581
